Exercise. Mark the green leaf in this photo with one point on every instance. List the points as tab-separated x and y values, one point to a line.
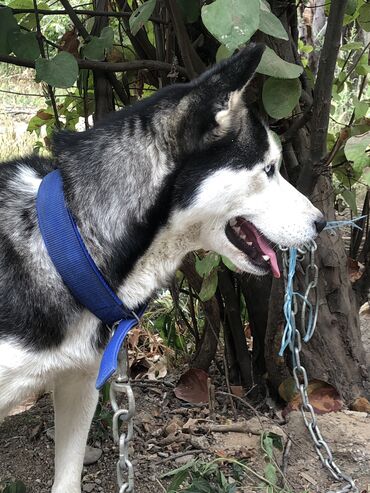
229	264
200	485
24	45
357	150
97	47
15	487
355	45
364	17
361	108
205	265
280	97
271	25
60	71
270	473
141	15
232	22
173	472
271	64
190	10
222	53
8	24
177	481
350	199
209	286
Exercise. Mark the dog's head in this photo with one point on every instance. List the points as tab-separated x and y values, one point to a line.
228	181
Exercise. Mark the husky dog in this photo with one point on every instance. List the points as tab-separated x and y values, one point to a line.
189	168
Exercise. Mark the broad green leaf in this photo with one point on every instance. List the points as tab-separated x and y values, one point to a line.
205	265
361	108
268	445
280	97
24	45
60	71
190	10
8	24
229	264
232	22
350	199
222	53
141	15
355	45
209	286
265	6
173	472
271	64
357	150
97	47
364	17
277	440
366	176
271	25
27	20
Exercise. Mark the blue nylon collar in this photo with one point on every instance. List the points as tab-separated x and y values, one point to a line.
79	271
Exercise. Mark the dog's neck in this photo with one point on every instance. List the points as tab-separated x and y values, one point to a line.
122	207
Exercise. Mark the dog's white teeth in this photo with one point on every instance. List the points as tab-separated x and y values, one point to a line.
237	231
249	243
233	222
243	237
266	257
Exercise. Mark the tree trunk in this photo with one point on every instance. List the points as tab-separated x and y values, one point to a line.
335	354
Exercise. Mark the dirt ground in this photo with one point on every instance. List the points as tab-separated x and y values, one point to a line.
165	430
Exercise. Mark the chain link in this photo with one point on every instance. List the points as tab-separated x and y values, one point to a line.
309	312
119	388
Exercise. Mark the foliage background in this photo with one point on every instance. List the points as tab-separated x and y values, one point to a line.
311	86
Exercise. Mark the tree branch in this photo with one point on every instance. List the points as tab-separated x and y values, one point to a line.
40	41
190	57
322	98
92	13
107	66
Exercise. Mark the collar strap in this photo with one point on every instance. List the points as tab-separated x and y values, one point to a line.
79	271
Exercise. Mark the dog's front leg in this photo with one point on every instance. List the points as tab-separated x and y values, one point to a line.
75	400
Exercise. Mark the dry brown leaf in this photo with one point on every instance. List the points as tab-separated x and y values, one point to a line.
323	397
192	386
70	42
355	269
361	404
237	390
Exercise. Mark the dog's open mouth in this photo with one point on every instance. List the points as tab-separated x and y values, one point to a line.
246	237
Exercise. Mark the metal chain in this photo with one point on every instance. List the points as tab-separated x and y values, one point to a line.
121	387
308	323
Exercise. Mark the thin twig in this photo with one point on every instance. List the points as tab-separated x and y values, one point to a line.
107	66
92	13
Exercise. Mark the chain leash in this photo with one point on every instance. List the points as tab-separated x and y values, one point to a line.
121	387
292	337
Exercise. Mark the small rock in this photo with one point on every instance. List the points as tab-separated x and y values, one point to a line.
92	455
184	459
88	487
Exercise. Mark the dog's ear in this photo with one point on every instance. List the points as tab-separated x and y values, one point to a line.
216	98
232	74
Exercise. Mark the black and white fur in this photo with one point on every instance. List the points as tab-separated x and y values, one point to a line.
146	186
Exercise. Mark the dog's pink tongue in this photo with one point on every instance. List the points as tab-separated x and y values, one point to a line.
267	250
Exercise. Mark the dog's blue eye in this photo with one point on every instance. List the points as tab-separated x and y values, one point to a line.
269	169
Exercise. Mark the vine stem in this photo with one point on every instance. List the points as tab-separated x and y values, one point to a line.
43	54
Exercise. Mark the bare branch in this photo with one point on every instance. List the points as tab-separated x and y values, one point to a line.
107	66
92	13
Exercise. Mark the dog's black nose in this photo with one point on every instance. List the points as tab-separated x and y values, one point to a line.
320	225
